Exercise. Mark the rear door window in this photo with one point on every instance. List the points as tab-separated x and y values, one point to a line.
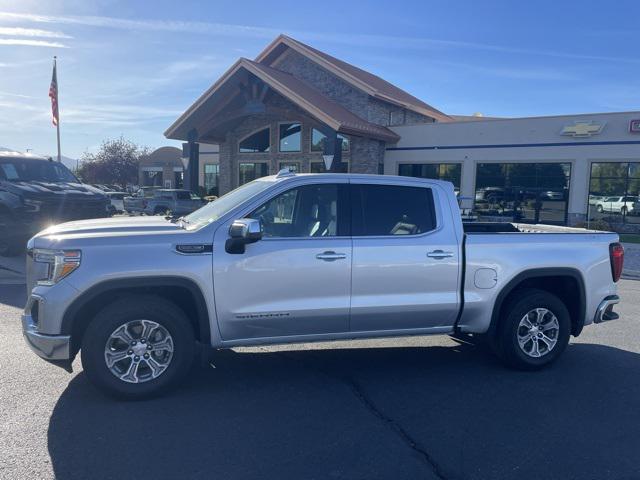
390	210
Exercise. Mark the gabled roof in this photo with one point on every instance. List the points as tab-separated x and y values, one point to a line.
300	93
361	79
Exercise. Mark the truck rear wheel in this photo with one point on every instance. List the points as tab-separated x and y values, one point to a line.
138	347
534	330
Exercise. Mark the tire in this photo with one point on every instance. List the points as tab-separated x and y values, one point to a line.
123	319
513	330
160	211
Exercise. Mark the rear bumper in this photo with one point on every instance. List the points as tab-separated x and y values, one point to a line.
48	347
605	312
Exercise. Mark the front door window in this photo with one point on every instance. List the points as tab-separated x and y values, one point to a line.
307	211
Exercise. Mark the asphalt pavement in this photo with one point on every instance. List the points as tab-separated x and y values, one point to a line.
426	407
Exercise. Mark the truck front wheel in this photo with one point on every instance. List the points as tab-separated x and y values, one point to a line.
534	329
138	347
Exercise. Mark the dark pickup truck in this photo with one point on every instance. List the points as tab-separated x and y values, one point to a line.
36	192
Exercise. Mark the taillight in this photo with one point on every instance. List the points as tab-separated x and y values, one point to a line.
616	255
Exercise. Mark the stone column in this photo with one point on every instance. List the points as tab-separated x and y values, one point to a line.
192	173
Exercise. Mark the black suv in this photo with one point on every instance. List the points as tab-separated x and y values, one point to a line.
36	192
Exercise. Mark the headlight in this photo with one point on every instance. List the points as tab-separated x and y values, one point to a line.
60	263
32	205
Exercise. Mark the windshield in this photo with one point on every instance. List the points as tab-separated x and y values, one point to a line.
216	209
23	170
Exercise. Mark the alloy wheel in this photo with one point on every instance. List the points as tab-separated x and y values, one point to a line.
139	351
538	332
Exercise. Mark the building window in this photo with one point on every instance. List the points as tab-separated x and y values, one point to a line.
317	141
396	117
523	192
178	179
318	167
451	172
291	166
211	175
290	137
257	142
251	171
614	190
152	178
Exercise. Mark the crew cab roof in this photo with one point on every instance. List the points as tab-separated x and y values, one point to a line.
9	154
355	176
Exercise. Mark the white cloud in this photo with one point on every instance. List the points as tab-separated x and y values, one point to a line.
383	41
388	41
31	43
515	72
31	32
114	114
16	95
144	24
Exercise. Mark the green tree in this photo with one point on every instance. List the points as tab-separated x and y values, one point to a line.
116	162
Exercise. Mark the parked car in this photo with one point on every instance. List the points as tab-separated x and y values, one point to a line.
594	199
301	258
551	195
117	202
36	192
623	205
137	202
174	201
490	194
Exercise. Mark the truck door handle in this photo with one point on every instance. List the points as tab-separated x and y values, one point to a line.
330	256
439	254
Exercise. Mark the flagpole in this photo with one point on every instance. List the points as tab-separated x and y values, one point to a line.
58	106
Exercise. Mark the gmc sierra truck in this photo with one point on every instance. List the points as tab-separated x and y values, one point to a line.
302	258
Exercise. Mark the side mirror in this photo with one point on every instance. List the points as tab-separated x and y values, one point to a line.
241	233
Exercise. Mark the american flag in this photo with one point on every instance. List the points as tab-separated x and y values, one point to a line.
53	94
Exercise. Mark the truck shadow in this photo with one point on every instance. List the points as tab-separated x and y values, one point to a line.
363	413
13	295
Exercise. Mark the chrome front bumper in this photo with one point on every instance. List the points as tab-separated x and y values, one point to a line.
49	347
605	312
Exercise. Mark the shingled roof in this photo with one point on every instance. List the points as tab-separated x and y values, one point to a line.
306	96
300	93
366	81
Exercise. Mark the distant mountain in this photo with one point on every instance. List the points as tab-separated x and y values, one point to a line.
70	163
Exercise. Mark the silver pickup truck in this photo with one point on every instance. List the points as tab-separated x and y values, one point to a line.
301	258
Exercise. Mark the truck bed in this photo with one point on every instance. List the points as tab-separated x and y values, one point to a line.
497	253
507	227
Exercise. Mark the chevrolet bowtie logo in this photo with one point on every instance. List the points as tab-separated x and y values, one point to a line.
582	129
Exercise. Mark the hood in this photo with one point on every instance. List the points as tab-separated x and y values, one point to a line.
53	190
124	226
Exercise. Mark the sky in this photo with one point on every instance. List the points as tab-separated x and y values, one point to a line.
130	68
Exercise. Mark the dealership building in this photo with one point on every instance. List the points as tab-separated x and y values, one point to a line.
299	108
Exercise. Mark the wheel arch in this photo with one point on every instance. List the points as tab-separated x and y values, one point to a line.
184	292
558	281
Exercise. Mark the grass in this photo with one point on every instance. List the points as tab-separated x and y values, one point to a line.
629	238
